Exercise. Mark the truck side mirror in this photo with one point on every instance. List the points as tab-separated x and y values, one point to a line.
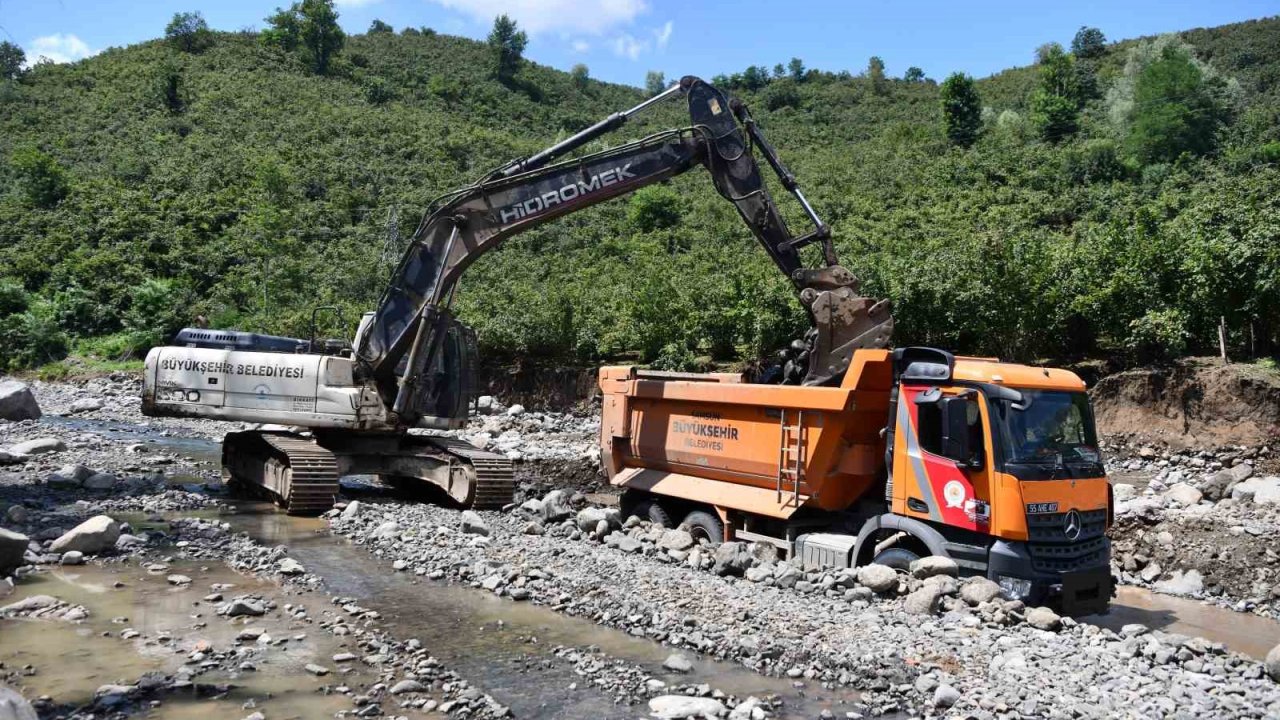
955	429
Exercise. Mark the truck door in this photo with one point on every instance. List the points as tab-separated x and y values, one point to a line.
941	461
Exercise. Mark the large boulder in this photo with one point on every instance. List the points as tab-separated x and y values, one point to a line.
12	547
1186	583
473	524
732	558
589	518
763	553
69	476
1184	495
387	530
1273	663
880	578
786	575
555	506
11	458
923	601
85	405
675	539
99	481
927	567
39	446
978	590
1043	618
677	707
1219	485
16	402
14	707
89	537
1251	488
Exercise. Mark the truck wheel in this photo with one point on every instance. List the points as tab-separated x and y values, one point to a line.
649	509
897	558
704	526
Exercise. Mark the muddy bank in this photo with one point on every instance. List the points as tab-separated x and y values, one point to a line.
1193	403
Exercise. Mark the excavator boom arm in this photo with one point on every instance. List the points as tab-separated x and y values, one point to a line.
407	330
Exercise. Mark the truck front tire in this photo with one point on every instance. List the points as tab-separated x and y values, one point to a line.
897	558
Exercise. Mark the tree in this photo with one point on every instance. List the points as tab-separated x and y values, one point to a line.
654	82
1048	50
796	69
654	208
913	74
169	87
11	60
580	75
507	42
755	77
188	32
310	27
285	31
875	72
320	34
779	71
1089	42
377	26
1056	102
40	176
783	93
961	109
1175	109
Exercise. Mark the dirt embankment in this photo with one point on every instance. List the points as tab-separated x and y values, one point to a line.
1194	403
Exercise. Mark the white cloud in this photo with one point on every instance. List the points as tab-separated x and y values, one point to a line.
591	17
581	46
354	3
59	48
628	46
664	34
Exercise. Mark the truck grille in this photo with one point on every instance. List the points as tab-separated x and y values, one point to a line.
1053	552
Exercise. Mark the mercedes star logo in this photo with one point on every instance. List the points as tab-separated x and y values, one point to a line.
1072	525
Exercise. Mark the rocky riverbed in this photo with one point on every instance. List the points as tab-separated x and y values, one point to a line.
923	643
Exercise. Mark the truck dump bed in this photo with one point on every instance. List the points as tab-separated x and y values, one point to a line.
764	449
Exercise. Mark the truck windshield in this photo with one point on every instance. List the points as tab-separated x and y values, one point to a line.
1054	428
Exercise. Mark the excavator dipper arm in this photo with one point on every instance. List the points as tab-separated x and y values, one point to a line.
405	334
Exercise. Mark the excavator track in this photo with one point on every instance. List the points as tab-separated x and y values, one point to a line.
495	481
297	473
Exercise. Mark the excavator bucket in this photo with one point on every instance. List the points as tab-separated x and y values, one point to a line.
843	321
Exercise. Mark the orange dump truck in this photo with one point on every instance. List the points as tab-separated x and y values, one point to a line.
916	453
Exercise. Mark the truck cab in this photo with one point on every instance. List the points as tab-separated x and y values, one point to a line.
917	452
1002	460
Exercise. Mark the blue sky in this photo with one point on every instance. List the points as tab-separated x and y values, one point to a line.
620	40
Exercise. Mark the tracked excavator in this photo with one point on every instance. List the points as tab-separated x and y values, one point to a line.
327	408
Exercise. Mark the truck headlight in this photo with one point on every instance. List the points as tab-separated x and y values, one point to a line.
1014	587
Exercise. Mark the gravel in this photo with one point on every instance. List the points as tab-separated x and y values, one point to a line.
831	629
966	650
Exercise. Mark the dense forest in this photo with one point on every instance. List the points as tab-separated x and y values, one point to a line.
1107	199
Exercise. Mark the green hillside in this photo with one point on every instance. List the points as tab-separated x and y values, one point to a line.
145	186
